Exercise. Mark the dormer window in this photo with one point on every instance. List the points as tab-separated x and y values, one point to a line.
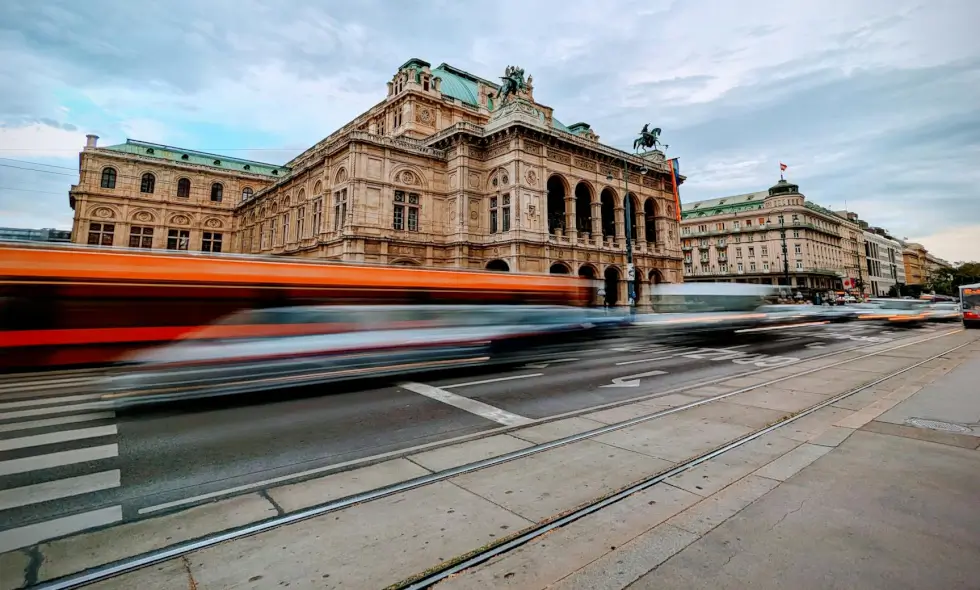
247	167
185	157
149	151
217	162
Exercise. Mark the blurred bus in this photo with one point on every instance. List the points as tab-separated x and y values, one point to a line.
970	304
74	305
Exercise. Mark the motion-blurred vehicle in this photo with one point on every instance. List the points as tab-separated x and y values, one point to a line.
65	306
970	304
277	348
697	308
900	312
944	312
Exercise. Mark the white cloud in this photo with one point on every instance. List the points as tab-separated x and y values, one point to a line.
38	141
955	244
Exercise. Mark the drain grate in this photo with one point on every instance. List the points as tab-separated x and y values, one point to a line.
937	425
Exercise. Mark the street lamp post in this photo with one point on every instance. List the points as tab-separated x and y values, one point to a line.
628	212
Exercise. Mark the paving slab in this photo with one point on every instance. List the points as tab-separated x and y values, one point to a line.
731	413
13	569
550	431
880	365
792	462
469	452
866	414
833	436
562	552
776	398
673	399
827	382
719	507
710	390
338	485
634	559
80	552
674	438
748	380
890	532
813	425
952	398
169	575
712	476
538	486
624	413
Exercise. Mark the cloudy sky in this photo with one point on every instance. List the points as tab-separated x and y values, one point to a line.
873	104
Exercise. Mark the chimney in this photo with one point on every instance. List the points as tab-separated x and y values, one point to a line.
91	140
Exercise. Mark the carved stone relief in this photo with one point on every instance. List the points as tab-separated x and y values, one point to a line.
103	213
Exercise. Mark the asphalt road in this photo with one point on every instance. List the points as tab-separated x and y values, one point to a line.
63	463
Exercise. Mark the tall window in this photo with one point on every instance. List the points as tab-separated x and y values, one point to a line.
108	178
178	239
300	222
140	237
211	242
285	227
272	233
263	242
247	193
147	183
100	234
216	192
339	209
184	188
317	216
406	211
493	215
505	213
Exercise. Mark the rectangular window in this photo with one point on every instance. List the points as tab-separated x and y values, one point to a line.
505	214
751	252
211	242
687	269
705	269
796	233
263	237
748	223
751	266
702	228
300	221
797	249
100	234
738	252
686	231
317	216
285	228
724	267
140	237
735	224
720	226
406	208
178	239
764	250
339	209
739	267
762	221
272	233
799	265
493	215
765	266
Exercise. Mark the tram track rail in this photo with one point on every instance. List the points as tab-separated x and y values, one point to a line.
154	557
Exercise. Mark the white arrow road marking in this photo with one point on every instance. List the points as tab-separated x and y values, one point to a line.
633	380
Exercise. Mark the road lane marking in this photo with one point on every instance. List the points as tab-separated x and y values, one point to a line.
55	410
650	360
464	403
59	488
497	380
26	536
49	438
633	380
58	459
45	401
56	421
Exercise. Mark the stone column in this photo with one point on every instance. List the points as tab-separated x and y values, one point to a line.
620	216
570	228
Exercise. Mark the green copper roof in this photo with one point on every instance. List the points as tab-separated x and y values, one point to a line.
733	204
176	154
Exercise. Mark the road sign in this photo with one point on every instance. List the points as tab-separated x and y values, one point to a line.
630	272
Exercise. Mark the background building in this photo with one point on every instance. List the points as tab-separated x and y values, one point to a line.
884	264
442	172
914	260
772	237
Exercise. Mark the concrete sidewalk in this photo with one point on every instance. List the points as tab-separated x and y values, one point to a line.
890	505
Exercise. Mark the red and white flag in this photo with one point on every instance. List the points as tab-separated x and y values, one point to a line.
782	167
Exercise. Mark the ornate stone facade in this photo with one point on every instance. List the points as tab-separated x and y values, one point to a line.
440	173
741	239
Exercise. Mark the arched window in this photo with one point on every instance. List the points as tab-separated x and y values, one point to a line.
216	192
247	193
184	188
108	178
147	183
